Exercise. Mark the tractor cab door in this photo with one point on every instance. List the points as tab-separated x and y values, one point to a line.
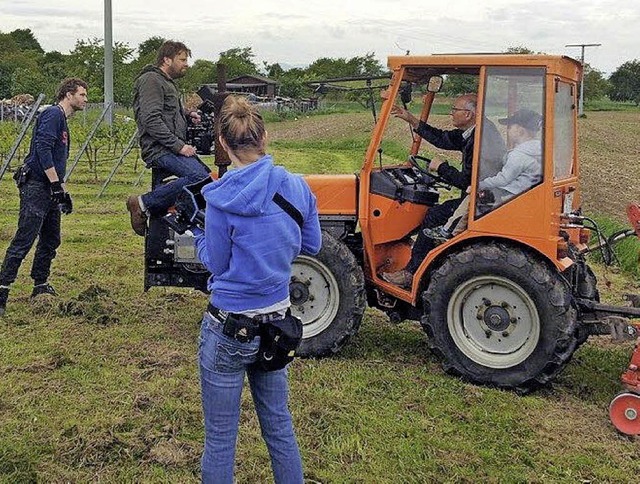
511	113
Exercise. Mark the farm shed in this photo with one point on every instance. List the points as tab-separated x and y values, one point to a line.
257	85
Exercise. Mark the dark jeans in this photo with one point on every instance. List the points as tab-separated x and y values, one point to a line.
39	218
436	217
188	169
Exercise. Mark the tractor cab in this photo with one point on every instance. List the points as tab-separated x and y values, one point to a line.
521	183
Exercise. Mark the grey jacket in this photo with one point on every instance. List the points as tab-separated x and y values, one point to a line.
522	169
162	125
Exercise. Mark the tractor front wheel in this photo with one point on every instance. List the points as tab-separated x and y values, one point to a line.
327	294
499	315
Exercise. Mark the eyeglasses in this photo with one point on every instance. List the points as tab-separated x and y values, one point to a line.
452	110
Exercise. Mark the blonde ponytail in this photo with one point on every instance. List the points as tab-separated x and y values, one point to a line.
241	126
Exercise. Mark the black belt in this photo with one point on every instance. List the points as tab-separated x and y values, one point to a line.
242	328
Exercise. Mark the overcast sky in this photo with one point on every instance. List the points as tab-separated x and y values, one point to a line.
296	32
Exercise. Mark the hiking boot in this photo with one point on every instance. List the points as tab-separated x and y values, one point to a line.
402	278
4	295
138	217
439	234
45	288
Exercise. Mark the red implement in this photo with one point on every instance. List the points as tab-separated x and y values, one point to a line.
624	412
633	212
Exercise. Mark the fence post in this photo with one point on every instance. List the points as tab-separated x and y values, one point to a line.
125	152
23	131
86	142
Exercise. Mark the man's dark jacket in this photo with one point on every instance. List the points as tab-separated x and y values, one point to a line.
50	144
493	150
161	120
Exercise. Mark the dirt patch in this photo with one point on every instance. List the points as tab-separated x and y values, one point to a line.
345	126
609	152
331	126
94	304
563	417
91	448
54	362
173	453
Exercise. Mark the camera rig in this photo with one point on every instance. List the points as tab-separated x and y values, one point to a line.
201	135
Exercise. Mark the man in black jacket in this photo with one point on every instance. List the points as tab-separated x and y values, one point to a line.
463	117
162	128
43	194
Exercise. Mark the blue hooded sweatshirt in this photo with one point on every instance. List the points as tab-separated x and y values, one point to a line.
249	242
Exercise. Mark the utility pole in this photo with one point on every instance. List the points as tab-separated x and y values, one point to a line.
108	62
581	100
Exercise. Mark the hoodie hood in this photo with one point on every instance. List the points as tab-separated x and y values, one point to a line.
532	148
246	191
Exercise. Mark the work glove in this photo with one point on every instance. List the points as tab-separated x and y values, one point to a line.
66	206
57	192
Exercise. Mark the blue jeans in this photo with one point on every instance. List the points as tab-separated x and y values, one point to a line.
223	364
188	169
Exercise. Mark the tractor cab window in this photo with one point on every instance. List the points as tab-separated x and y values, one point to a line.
510	158
564	131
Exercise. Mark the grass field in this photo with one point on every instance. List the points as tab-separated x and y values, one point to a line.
101	384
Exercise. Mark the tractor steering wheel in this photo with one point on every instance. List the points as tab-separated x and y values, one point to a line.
424	170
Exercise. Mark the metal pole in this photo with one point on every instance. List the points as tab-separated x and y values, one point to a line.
125	152
86	142
108	61
139	179
25	125
221	158
581	100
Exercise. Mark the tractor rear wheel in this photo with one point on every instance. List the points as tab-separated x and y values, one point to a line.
499	315
327	293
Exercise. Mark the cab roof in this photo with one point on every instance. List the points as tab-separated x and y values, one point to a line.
439	64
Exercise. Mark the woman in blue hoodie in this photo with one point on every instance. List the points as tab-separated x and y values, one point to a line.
248	244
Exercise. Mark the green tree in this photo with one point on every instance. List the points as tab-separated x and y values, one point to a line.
86	61
25	40
26	68
201	72
239	62
518	50
6	71
625	82
460	84
27	80
148	48
596	85
328	68
54	66
25	73
293	83
8	64
8	45
366	65
272	71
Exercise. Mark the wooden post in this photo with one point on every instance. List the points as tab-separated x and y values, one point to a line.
221	158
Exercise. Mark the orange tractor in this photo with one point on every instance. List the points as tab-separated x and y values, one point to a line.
504	303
